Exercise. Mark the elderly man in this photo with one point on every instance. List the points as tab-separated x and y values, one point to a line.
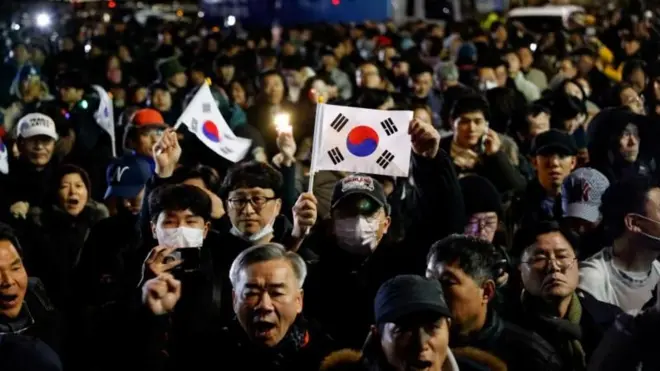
467	268
24	307
269	332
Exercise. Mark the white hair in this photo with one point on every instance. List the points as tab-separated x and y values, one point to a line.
264	253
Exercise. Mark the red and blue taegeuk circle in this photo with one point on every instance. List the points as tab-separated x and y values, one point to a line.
2	146
362	141
210	131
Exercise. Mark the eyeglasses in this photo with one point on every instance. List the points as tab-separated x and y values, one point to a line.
257	202
541	262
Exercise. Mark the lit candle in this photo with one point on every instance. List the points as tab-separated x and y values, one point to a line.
283	124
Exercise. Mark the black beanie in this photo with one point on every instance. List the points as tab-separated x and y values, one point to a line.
480	196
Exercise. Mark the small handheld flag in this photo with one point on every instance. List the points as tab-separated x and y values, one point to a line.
362	140
203	118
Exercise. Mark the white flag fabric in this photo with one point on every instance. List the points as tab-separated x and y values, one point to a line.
361	140
105	115
4	158
203	118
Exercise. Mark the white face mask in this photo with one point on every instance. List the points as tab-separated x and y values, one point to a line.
180	237
487	85
654	238
357	235
265	231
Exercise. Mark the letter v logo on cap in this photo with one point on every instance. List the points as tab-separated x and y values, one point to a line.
119	172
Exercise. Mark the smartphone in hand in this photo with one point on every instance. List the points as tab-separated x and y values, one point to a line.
191	257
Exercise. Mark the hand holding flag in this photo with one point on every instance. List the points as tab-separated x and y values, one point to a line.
167	153
362	140
425	139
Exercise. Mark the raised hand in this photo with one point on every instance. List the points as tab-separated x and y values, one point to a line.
167	153
161	294
425	138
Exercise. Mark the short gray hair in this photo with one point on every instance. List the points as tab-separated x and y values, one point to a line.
264	253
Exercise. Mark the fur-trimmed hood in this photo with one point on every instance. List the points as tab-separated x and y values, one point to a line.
473	358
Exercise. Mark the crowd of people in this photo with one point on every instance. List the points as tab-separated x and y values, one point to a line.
526	236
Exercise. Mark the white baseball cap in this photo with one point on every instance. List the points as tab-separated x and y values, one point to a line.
34	124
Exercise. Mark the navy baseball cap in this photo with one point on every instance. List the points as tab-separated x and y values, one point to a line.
127	176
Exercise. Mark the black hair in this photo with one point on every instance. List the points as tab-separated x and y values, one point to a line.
630	66
421	68
621	198
532	229
207	174
381	69
566	107
252	174
7	234
478	258
179	197
470	103
65	170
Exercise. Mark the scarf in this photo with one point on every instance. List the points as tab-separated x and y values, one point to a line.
463	158
566	331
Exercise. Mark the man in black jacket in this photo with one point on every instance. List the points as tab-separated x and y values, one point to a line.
269	333
573	322
467	268
24	307
355	255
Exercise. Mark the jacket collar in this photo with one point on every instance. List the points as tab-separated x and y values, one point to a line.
486	337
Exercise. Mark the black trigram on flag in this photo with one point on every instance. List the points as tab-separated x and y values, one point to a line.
206	107
339	122
385	159
389	127
335	155
226	150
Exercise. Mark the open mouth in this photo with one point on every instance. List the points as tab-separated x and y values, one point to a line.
420	364
263	328
72	202
8	301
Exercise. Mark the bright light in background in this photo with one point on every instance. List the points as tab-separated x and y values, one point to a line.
106	17
200	14
112	4
88	48
179	13
231	20
336	2
533	47
15	26
43	20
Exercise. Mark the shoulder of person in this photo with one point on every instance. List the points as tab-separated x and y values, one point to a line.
98	211
530	344
37	297
602	313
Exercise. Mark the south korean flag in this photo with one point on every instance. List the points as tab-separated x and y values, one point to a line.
4	158
361	140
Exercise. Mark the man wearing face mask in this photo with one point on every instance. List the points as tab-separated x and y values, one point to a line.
626	273
356	257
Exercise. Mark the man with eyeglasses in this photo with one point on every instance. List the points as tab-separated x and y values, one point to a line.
572	322
467	268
